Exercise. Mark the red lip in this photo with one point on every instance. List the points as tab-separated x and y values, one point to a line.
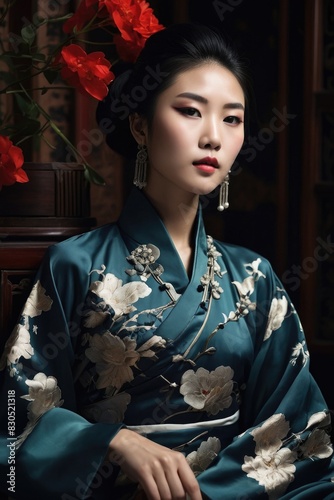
208	160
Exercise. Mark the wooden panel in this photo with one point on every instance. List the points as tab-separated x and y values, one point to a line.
282	139
325	100
34	228
14	197
317	262
58	187
22	255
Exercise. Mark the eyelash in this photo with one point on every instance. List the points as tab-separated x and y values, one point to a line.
232	120
235	119
185	111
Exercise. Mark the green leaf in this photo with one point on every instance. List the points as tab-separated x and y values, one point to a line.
25	129
7	130
51	75
27	107
6	77
92	176
16	43
39	57
28	34
7	57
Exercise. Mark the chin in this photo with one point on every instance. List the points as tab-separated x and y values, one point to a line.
204	191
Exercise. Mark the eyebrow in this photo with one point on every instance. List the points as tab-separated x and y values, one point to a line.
199	98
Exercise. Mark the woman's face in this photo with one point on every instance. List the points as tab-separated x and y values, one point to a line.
196	132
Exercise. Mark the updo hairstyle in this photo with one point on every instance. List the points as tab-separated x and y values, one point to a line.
166	54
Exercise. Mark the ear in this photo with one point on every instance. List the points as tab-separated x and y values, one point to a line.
138	127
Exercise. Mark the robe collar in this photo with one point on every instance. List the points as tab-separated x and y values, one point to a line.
140	223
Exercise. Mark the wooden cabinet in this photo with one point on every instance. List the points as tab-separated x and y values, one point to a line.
21	251
52	206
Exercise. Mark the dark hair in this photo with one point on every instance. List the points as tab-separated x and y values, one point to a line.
166	53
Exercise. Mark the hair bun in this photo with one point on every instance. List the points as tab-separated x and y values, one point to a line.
112	117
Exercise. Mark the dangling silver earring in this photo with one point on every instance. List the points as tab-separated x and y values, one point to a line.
223	194
139	179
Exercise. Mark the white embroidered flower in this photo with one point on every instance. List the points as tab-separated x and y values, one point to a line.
243	308
299	350
269	435
274	473
113	357
119	297
208	391
245	305
217	269
273	465
145	255
16	346
253	268
320	418
44	394
318	445
156	342
109	411
201	459
15	370
205	279
95	318
212	250
246	288
216	290
278	310
37	301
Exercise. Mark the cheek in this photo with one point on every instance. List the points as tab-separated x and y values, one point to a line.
238	143
168	136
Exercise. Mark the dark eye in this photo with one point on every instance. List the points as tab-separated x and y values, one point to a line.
233	120
189	111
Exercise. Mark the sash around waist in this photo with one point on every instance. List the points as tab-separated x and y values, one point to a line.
206	424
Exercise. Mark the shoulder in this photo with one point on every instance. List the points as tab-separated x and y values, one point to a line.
240	256
77	249
241	262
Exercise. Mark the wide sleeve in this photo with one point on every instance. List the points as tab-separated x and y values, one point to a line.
283	450
47	449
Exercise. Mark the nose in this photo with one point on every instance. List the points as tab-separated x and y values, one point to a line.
210	137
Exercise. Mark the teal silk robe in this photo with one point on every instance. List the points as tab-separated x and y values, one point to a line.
115	334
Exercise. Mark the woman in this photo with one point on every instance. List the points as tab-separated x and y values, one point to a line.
150	359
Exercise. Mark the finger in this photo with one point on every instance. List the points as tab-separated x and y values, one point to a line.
153	488
163	485
175	484
190	483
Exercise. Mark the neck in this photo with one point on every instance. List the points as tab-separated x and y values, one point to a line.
178	213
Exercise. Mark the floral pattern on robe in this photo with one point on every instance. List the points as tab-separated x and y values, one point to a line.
115	333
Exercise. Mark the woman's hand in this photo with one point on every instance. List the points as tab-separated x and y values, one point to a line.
163	474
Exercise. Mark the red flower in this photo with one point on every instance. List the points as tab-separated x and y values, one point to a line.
147	23
136	22
88	72
133	18
11	161
128	50
86	11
